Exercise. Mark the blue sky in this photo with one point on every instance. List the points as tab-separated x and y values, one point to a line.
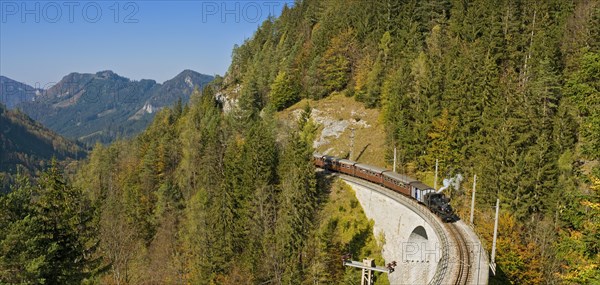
42	41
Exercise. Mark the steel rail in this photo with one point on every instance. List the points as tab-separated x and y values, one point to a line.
442	267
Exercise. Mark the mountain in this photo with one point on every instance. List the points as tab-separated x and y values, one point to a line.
105	106
13	92
27	143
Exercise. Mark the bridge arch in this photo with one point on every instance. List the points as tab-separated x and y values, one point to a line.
409	238
419	247
418	234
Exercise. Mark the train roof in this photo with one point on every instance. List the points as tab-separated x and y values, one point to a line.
347	161
400	177
370	168
420	185
337	159
330	158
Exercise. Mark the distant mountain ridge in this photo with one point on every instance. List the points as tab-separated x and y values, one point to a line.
26	143
104	106
13	92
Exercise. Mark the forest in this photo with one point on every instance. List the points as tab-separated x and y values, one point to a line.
201	197
506	90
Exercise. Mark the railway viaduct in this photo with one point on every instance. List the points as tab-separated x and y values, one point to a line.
426	250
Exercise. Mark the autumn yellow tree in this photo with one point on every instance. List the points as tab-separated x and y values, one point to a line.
336	63
580	243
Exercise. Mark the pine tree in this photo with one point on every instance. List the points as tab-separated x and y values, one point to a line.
335	66
584	90
442	146
397	114
258	175
17	219
297	200
49	235
375	78
284	91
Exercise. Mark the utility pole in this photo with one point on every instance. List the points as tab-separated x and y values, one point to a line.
368	268
351	143
435	177
493	259
367	273
473	197
394	159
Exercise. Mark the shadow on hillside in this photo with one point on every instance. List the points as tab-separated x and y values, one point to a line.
325	180
362	151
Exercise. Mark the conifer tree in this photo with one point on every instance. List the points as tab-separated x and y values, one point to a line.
284	91
48	235
297	199
335	66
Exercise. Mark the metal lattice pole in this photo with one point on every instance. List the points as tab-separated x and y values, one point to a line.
473	198
351	143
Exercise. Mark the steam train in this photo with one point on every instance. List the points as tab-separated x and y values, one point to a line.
438	203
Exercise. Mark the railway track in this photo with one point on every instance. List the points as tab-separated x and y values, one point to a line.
464	256
394	185
442	270
454	235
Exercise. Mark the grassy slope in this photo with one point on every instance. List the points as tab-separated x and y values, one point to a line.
369	131
371	139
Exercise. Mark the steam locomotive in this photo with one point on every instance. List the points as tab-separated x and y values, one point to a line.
437	203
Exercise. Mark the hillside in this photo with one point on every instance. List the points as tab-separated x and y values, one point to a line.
28	144
229	198
104	106
508	91
337	117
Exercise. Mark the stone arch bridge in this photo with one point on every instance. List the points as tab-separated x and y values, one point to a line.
425	249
